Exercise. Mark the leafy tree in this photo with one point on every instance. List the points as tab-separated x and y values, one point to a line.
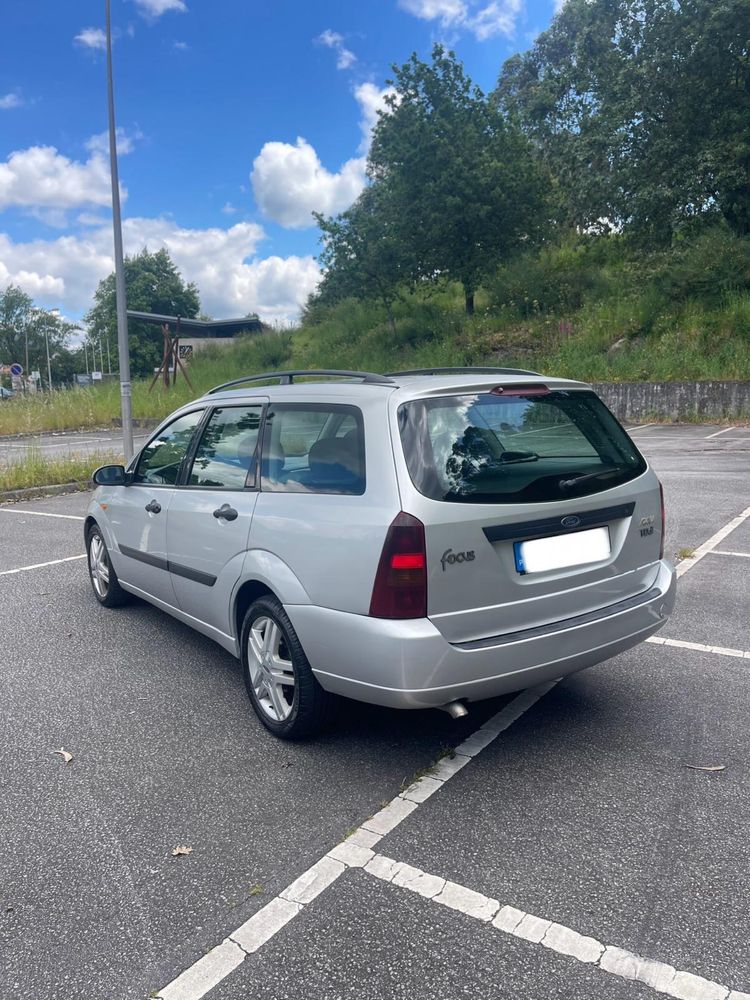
464	188
23	325
364	254
153	284
641	109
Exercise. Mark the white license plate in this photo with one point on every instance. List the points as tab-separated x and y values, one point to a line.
561	551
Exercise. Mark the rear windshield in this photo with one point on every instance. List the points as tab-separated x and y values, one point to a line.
488	448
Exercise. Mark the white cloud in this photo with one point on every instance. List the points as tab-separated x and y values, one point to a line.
229	209
371	99
345	59
484	21
231	279
42	178
181	46
448	12
290	183
497	18
99	144
12	100
91	38
155	8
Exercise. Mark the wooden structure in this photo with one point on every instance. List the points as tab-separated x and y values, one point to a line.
173	326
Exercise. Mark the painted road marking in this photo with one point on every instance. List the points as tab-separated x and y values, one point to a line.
724	552
717	433
355	852
682	644
565	941
42	513
52	562
640	427
712	542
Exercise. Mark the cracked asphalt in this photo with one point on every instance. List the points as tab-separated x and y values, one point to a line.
583	812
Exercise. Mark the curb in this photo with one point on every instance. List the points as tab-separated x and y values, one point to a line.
13	496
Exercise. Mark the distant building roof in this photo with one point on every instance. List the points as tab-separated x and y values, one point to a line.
201	327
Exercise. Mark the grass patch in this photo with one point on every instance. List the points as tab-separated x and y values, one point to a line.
35	469
685	553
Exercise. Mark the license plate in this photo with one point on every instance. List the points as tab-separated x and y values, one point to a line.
562	551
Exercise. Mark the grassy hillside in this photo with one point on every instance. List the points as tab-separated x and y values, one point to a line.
589	310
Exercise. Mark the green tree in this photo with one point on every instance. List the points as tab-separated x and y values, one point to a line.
153	284
26	331
641	110
364	254
461	178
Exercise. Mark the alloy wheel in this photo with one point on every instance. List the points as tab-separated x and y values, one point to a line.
271	668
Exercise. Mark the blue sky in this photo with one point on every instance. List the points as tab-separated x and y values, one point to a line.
237	121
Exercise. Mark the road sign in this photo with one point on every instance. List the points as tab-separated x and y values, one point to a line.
96	376
36	376
16	370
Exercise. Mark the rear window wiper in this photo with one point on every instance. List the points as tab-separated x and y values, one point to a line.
567	484
509	457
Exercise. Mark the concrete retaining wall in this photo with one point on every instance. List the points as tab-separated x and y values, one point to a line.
705	401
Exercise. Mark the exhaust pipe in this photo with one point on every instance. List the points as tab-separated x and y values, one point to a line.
456	709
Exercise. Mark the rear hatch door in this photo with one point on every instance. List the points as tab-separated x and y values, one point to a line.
537	508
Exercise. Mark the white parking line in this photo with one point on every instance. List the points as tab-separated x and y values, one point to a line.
717	433
712	542
52	562
683	644
355	852
42	513
640	427
619	962
724	552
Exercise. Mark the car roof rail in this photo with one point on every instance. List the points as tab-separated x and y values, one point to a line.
464	371
288	377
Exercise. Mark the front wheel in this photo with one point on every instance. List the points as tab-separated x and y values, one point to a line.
283	690
104	582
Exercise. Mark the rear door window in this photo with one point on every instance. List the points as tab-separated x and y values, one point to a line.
515	447
313	448
225	456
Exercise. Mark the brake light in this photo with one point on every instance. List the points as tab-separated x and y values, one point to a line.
400	588
663	521
533	389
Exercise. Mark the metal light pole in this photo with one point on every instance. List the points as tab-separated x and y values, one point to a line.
122	319
49	367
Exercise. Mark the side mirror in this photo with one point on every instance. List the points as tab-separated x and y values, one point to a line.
110	475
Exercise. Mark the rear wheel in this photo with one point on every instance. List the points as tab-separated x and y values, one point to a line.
280	683
104	582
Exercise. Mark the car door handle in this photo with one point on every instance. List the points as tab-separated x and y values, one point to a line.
153	507
226	513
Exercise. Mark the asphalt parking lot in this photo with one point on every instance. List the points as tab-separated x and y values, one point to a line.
567	845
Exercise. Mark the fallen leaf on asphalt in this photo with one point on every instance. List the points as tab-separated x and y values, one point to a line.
181	849
67	757
706	767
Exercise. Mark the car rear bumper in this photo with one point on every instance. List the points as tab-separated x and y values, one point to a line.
409	664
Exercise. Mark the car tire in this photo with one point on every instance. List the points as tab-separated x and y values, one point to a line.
271	652
104	582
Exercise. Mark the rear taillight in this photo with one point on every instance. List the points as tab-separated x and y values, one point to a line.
400	589
663	521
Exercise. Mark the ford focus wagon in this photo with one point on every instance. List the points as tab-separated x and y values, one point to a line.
420	539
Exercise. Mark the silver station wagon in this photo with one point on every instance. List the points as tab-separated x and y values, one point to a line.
420	539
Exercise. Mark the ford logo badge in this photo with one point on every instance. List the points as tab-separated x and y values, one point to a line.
571	521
